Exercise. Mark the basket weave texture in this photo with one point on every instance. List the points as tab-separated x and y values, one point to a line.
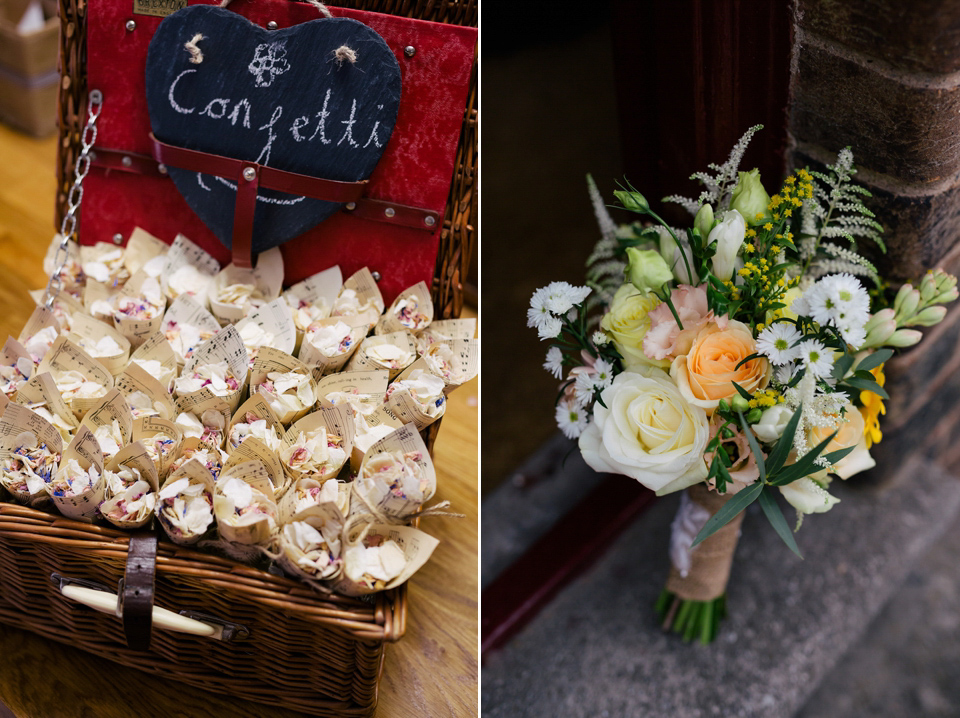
308	652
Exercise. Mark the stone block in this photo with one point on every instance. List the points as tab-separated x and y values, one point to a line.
897	124
915	36
597	650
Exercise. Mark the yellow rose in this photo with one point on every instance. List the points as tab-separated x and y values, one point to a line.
627	322
706	373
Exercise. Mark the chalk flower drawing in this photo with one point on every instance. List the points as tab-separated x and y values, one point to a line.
268	62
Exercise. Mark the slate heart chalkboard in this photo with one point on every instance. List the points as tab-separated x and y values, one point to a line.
281	98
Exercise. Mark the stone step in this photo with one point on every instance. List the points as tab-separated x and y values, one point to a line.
597	650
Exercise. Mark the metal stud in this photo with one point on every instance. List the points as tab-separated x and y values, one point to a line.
93	156
272	25
409	51
390	211
118	238
249	174
162	169
429	220
376	276
127	161
131	25
351	206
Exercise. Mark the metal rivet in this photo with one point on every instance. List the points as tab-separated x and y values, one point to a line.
429	220
271	25
249	174
162	169
376	276
118	238
351	206
93	156
389	211
131	25
409	51
127	161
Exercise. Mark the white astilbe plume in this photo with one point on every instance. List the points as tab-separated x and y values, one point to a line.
820	409
718	187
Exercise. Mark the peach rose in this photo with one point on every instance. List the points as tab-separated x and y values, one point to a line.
706	372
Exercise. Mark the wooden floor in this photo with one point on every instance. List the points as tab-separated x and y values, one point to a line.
432	671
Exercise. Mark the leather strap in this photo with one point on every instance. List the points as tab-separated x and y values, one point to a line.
263	176
243	213
137	595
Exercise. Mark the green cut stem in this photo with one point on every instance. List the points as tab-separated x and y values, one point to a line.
691	619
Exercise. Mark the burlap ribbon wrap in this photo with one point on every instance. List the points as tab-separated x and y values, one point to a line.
710	560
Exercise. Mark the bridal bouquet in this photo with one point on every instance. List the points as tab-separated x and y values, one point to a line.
736	359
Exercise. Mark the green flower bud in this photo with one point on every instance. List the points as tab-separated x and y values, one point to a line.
723	406
902	295
948	296
879	333
704	220
750	198
908	307
646	269
928	317
754	416
634	201
739	403
904	338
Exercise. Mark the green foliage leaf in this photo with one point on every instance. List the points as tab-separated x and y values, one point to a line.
842	366
754	447
875	359
804	466
746	359
742	392
781	450
729	510
867	385
775	516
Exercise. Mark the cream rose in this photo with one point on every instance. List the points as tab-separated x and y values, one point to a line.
627	323
647	432
706	372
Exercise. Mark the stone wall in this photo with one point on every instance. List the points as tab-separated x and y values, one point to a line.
883	77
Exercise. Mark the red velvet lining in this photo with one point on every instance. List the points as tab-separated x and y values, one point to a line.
415	170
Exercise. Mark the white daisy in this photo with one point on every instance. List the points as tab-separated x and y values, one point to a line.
800	306
853	334
538	312
549	328
571	419
583	389
786	373
840	300
599	339
817	359
563	296
554	362
604	373
777	341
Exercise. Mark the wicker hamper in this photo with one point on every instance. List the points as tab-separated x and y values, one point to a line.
282	643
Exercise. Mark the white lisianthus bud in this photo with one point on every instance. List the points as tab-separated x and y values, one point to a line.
807	496
728	235
904	338
772	423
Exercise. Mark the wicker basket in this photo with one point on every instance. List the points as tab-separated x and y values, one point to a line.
284	644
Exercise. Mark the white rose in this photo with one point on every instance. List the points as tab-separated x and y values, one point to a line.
648	432
729	236
772	423
807	496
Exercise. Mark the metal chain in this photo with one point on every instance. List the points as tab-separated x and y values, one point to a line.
68	228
